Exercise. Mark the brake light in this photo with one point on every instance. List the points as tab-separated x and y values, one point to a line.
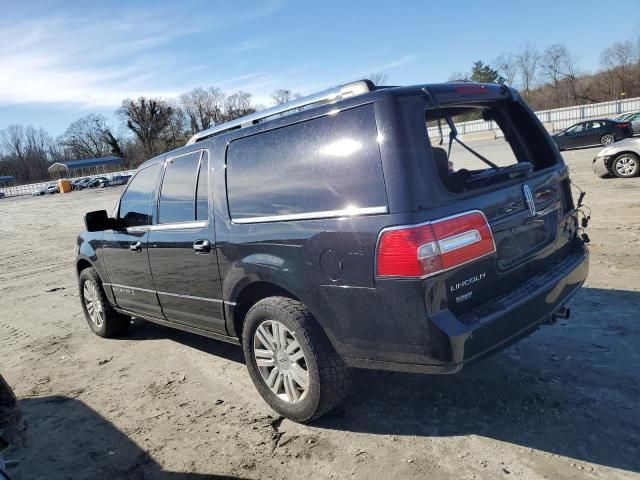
623	125
472	89
431	248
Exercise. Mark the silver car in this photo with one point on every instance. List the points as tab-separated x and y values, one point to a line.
621	159
633	117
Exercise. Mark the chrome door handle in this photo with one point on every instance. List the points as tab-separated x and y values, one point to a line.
202	246
136	247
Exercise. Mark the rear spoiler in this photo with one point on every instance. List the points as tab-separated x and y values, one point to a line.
460	93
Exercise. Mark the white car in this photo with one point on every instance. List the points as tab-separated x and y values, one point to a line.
621	159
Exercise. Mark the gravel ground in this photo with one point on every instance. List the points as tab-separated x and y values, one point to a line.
159	403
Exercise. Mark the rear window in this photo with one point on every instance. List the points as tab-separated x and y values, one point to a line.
318	168
495	141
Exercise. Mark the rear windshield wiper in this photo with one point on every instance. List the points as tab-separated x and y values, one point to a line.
453	132
512	171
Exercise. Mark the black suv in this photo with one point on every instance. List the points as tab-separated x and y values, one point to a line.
335	232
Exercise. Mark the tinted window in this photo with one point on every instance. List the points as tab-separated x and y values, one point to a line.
326	164
177	196
135	204
202	193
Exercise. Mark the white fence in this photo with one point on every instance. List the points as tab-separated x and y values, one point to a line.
554	120
28	189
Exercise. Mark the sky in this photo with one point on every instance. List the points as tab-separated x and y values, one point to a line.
61	60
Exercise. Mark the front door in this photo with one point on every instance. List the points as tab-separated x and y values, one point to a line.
125	248
181	246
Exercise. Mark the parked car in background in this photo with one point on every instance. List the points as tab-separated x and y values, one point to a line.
53	188
116	180
96	182
2	195
592	132
383	258
634	118
621	159
79	183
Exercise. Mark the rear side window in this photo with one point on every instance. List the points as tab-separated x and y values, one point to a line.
177	196
315	168
135	203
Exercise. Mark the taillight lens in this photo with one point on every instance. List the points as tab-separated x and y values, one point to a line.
427	249
623	125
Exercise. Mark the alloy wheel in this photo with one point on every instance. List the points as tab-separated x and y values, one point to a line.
93	303
626	166
281	361
607	139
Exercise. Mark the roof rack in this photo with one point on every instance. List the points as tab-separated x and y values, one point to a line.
327	96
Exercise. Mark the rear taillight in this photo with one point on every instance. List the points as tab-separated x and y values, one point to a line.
430	248
623	125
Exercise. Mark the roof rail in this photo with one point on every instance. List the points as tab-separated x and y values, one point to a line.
327	96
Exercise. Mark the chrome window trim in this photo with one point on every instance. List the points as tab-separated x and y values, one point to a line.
165	163
347	212
178	225
218	300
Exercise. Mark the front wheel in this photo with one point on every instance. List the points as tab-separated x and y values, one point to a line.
607	139
626	165
290	360
103	320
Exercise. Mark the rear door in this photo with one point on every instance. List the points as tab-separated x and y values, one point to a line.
529	215
125	249
181	245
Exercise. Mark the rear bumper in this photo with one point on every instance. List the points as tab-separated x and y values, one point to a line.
494	326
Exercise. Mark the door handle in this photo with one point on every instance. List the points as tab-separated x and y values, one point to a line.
202	246
135	247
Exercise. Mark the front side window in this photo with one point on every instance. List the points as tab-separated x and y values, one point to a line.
315	168
576	128
177	194
135	203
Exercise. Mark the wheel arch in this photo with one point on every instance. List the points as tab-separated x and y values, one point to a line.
248	296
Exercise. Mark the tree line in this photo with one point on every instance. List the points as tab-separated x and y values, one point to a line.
548	78
552	78
152	126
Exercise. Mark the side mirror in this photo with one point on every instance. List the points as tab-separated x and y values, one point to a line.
98	221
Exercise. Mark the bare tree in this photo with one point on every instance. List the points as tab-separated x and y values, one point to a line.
570	66
552	64
378	78
507	67
282	96
25	152
174	135
237	105
204	108
85	138
618	62
147	118
527	64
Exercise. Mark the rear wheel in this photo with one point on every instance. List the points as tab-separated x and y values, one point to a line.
103	320
607	139
291	361
626	165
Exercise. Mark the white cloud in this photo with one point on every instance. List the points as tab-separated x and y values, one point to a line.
98	59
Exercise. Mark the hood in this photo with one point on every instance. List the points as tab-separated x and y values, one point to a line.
632	144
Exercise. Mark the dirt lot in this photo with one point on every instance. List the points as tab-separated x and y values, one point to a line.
562	404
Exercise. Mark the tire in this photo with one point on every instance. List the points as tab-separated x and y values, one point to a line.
103	320
607	139
626	165
327	377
